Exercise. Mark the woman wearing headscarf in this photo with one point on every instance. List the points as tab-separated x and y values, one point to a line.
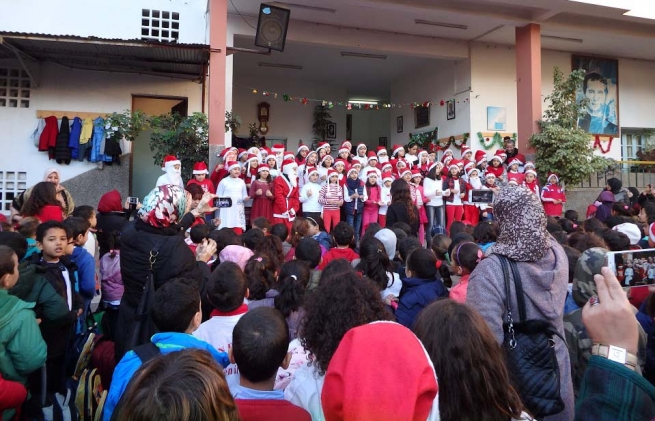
155	236
111	217
543	267
63	196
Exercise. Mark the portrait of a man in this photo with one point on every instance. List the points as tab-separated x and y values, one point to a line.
600	89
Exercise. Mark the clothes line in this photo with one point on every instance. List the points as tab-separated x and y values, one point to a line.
70	114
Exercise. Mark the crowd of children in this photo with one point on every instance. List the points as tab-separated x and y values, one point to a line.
273	310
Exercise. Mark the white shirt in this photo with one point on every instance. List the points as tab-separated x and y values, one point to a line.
393	285
69	290
234	216
385	196
433	190
310	203
91	244
305	391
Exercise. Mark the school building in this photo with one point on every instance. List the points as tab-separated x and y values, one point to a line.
385	69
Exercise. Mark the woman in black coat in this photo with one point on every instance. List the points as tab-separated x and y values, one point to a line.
402	209
156	236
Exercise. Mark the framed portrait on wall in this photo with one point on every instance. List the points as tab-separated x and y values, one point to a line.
421	116
600	90
332	130
496	118
382	141
399	124
450	109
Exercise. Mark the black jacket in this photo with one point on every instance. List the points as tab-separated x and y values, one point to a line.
397	212
109	222
62	151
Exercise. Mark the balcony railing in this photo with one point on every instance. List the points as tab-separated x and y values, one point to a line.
631	173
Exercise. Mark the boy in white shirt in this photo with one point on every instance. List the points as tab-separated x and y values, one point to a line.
309	194
385	197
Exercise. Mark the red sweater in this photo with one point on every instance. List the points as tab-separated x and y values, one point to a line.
50	213
12	395
337	253
270	410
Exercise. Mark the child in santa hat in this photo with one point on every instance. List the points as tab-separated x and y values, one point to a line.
472	210
419	199
530	181
310	194
262	194
385	198
233	187
513	173
331	198
372	164
285	194
354	197
271	161
467	153
433	189
455	190
552	196
486	210
326	164
311	161
398	151
481	161
173	169
373	198
344	152
322	149
496	168
301	155
361	154
200	178
227	154
340	167
382	154
423	162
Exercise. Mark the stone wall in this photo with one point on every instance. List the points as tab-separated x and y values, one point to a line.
87	188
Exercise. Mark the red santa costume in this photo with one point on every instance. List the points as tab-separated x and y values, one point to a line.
533	185
552	196
285	195
466	153
173	175
219	173
382	154
472	210
398	151
513	173
200	168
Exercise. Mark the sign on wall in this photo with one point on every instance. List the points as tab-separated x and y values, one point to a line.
601	89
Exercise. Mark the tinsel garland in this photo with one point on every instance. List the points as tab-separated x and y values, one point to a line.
496	141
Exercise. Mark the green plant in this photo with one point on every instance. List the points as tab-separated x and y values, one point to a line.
185	137
127	124
562	146
321	119
232	122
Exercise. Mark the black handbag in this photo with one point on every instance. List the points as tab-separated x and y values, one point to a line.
529	349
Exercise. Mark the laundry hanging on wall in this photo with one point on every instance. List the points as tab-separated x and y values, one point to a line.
77	139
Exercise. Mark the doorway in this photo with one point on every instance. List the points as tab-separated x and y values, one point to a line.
143	171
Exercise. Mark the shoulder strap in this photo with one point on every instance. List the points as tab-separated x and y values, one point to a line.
518	285
508	292
147	352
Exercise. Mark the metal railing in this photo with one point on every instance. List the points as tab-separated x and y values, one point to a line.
631	173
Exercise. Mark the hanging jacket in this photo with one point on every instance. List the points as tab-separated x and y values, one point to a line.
36	136
74	139
112	150
48	138
98	140
86	132
62	151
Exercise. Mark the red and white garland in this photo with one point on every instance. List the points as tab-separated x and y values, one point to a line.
598	144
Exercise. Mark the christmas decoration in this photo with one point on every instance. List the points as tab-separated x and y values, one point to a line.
598	144
424	140
496	142
286	98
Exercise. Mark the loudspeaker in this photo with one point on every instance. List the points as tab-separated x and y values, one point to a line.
272	27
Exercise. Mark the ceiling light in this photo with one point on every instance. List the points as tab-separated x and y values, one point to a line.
302	6
280	66
441	24
556	38
362	102
363	55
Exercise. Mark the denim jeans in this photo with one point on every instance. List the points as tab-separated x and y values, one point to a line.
355	221
435	217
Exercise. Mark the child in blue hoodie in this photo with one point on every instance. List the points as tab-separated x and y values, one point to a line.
176	313
78	229
421	286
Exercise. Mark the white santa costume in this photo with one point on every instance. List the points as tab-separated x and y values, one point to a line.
235	189
173	175
383	156
286	201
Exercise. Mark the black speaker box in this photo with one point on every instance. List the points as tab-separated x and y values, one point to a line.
272	27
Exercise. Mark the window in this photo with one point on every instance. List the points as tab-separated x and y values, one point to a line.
14	88
12	183
631	143
158	25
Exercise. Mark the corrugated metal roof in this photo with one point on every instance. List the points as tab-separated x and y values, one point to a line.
186	61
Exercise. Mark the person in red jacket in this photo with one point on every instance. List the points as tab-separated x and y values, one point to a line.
200	178
286	202
259	347
219	173
552	196
343	235
43	204
12	395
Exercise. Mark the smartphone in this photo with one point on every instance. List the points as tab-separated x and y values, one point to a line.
223	202
133	200
632	267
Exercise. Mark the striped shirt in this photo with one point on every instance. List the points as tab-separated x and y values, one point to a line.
330	196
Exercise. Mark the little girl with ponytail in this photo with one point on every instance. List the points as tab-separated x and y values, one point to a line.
465	259
292	283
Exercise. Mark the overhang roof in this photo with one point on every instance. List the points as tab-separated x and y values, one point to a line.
183	61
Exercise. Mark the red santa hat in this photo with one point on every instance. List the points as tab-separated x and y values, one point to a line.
405	391
397	148
489	175
502	154
464	150
480	157
468	165
387	165
514	161
357	164
264	151
421	152
345	147
381	150
447	157
252	156
435	164
371	155
241	153
311	170
353	168
302	146
400	161
453	164
169	162
263	167
288	155
404	171
533	172
416	173
225	151
498	157
277	148
471	170
326	157
200	168
331	172
340	161
346	144
232	165
371	172
322	145
447	152
361	145
529	164
552	174
386	176
288	164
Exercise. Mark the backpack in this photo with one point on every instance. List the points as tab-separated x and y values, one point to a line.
90	396
103	359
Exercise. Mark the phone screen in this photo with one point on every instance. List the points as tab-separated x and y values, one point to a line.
633	267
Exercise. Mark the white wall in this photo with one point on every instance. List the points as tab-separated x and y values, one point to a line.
105	19
432	84
287	119
369	126
76	90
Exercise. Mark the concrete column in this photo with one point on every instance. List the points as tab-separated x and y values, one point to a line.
528	83
217	63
